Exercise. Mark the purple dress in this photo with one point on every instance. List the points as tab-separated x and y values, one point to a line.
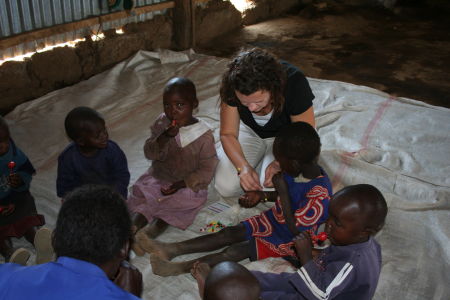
189	156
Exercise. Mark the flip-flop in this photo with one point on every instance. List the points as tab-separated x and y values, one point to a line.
20	256
43	246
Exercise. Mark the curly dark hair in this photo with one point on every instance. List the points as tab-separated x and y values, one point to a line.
79	120
297	141
93	224
253	70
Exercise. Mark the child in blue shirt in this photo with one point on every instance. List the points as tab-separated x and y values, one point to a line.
18	215
91	158
350	267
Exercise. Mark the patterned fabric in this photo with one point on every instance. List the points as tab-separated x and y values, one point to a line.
309	202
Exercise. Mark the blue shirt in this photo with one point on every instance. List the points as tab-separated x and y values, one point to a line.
23	167
108	166
65	279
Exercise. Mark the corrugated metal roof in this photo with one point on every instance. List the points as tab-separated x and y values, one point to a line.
19	16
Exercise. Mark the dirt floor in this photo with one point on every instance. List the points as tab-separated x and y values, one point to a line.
405	53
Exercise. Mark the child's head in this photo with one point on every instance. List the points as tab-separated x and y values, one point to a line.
355	213
231	281
86	127
93	225
296	145
179	100
4	136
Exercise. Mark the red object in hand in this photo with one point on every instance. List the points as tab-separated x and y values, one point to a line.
11	166
174	123
320	237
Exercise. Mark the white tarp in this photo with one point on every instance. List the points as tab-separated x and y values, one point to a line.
400	145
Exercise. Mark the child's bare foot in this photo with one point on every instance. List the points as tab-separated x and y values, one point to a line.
151	246
43	245
20	256
200	271
166	268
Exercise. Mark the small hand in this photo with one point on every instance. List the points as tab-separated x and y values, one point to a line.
277	179
129	278
249	180
251	199
15	180
272	169
173	188
303	246
172	129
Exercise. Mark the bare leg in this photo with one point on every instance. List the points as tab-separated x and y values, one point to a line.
138	221
6	249
200	271
30	234
225	237
236	253
157	227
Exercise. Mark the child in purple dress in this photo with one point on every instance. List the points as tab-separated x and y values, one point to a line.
184	159
350	267
91	158
301	196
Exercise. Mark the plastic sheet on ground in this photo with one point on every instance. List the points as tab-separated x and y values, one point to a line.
400	145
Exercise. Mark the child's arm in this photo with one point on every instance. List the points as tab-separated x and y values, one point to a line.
282	188
252	198
201	177
173	188
303	247
155	147
66	179
120	171
129	278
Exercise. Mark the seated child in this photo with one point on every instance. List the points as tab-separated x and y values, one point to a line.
91	158
182	149
18	215
302	195
350	267
226	281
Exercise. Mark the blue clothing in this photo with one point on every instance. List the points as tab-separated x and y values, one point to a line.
23	167
108	166
340	273
269	233
65	279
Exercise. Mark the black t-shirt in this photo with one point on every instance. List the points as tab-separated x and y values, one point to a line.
298	99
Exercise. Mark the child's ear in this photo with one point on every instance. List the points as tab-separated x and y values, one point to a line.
80	141
123	254
195	104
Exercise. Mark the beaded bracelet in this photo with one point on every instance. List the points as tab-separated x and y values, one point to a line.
266	198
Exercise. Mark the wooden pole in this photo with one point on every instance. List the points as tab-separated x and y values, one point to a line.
182	24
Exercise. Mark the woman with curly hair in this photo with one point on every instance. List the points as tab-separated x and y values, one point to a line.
259	94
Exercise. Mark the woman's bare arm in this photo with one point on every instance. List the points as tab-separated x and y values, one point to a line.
307	117
229	132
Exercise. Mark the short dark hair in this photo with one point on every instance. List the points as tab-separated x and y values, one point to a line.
297	141
372	205
79	120
182	86
253	70
230	280
93	224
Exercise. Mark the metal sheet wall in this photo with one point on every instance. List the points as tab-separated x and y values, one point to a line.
18	16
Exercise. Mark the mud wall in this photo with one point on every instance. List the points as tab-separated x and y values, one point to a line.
64	66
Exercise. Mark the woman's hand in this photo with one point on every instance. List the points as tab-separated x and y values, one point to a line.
249	179
251	199
173	188
272	169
